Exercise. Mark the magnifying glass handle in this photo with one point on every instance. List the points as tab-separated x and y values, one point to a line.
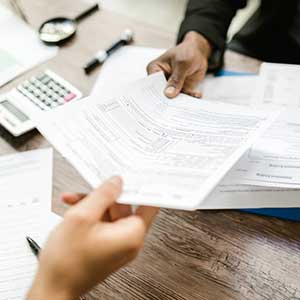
86	13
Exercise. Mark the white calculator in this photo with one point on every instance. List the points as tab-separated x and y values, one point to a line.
43	92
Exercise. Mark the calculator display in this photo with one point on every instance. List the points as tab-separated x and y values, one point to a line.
15	111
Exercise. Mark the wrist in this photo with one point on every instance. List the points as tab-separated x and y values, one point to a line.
41	291
200	42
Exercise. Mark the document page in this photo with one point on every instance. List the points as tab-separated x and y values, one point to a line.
274	160
25	179
25	210
229	89
171	153
15	59
279	85
280	141
123	67
228	195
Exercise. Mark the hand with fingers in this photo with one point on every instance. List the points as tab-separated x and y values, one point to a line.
96	238
184	65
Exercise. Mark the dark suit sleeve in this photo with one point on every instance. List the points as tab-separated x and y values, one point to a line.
211	18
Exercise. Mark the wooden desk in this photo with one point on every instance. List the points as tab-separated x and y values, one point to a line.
213	255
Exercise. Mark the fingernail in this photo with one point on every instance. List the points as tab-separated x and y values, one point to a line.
170	91
116	180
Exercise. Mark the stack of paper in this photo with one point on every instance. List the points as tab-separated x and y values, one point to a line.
186	153
20	47
170	153
25	210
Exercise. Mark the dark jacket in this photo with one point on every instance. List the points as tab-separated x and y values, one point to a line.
271	34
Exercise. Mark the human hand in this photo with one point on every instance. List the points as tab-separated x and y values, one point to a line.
96	238
184	65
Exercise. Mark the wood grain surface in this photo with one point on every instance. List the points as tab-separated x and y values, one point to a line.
205	255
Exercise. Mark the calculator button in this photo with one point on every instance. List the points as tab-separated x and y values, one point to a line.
49	94
33	81
69	97
48	102
52	85
21	89
26	84
60	100
46	80
56	98
56	88
43	97
41	77
53	105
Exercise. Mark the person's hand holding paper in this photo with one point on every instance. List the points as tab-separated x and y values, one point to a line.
184	65
96	238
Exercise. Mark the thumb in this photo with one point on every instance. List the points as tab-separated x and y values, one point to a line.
176	81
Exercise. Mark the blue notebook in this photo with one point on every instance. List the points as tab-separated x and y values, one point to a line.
292	214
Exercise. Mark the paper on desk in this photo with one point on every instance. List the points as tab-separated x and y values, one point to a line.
167	151
229	89
279	85
280	141
123	67
25	209
20	47
274	160
228	195
25	178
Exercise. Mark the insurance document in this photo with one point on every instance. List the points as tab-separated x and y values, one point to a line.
279	85
230	195
20	47
229	89
25	210
171	153
274	160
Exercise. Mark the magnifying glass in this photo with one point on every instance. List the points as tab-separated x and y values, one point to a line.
58	30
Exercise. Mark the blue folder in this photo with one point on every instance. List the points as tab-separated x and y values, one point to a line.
292	214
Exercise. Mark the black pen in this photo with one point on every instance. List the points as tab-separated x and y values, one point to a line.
100	58
35	248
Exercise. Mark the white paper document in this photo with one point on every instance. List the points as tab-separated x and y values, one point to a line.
228	195
25	210
26	178
123	67
277	146
229	89
171	153
274	160
20	47
279	85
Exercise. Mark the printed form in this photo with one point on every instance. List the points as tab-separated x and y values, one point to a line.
237	90
171	153
25	209
274	160
279	85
